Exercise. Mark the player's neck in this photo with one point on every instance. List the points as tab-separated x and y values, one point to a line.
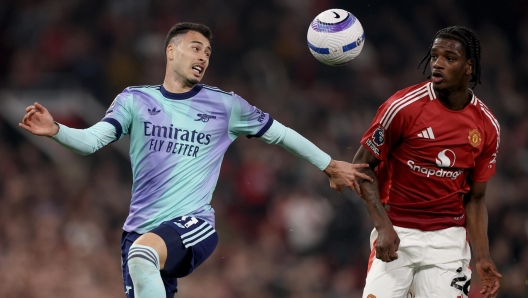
174	85
455	100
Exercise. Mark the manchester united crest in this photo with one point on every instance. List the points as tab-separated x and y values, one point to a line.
474	137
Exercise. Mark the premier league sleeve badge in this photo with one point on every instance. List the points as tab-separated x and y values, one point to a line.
378	137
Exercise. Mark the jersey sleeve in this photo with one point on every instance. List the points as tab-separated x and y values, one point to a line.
85	141
296	144
385	131
486	162
119	114
248	120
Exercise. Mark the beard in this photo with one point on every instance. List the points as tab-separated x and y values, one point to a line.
193	81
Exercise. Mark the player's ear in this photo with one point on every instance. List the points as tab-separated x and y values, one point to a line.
469	67
169	51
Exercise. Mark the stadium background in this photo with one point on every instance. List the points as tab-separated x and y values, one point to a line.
283	232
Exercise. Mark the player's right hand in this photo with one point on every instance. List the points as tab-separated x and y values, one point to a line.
387	244
342	174
489	276
39	121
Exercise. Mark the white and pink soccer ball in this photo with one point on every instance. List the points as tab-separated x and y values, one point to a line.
335	37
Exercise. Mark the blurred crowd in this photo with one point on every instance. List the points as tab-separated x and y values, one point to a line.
283	231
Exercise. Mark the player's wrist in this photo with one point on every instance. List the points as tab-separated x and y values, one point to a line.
482	256
54	129
330	168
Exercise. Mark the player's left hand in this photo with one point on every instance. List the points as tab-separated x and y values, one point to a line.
343	174
489	275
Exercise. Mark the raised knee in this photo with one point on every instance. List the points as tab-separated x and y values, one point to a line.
142	258
155	242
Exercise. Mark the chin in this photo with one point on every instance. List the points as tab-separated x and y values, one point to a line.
194	81
440	86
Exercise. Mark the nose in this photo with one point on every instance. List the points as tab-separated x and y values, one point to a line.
438	63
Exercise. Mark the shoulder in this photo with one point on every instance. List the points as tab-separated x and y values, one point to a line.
414	92
216	89
141	89
406	102
144	89
229	99
490	121
144	93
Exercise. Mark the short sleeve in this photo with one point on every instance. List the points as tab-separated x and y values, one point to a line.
248	120
384	132
486	162
119	114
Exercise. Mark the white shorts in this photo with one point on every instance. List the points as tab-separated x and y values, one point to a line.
432	264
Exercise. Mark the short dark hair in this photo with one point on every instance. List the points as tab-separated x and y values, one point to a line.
471	45
182	28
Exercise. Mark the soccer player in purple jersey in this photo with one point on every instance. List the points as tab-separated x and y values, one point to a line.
176	128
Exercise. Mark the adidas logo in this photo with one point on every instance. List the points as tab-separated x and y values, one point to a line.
427	134
154	111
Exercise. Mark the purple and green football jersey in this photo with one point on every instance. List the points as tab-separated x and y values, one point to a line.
177	143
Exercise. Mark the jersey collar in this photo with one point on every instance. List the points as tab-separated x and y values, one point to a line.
432	95
473	97
181	96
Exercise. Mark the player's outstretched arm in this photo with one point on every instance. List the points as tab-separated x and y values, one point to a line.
477	227
39	121
341	174
388	241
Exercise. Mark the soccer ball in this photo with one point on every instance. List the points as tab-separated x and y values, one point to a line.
335	37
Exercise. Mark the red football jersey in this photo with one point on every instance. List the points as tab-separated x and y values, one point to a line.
427	152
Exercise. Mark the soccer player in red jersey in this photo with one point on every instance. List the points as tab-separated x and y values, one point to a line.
432	148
